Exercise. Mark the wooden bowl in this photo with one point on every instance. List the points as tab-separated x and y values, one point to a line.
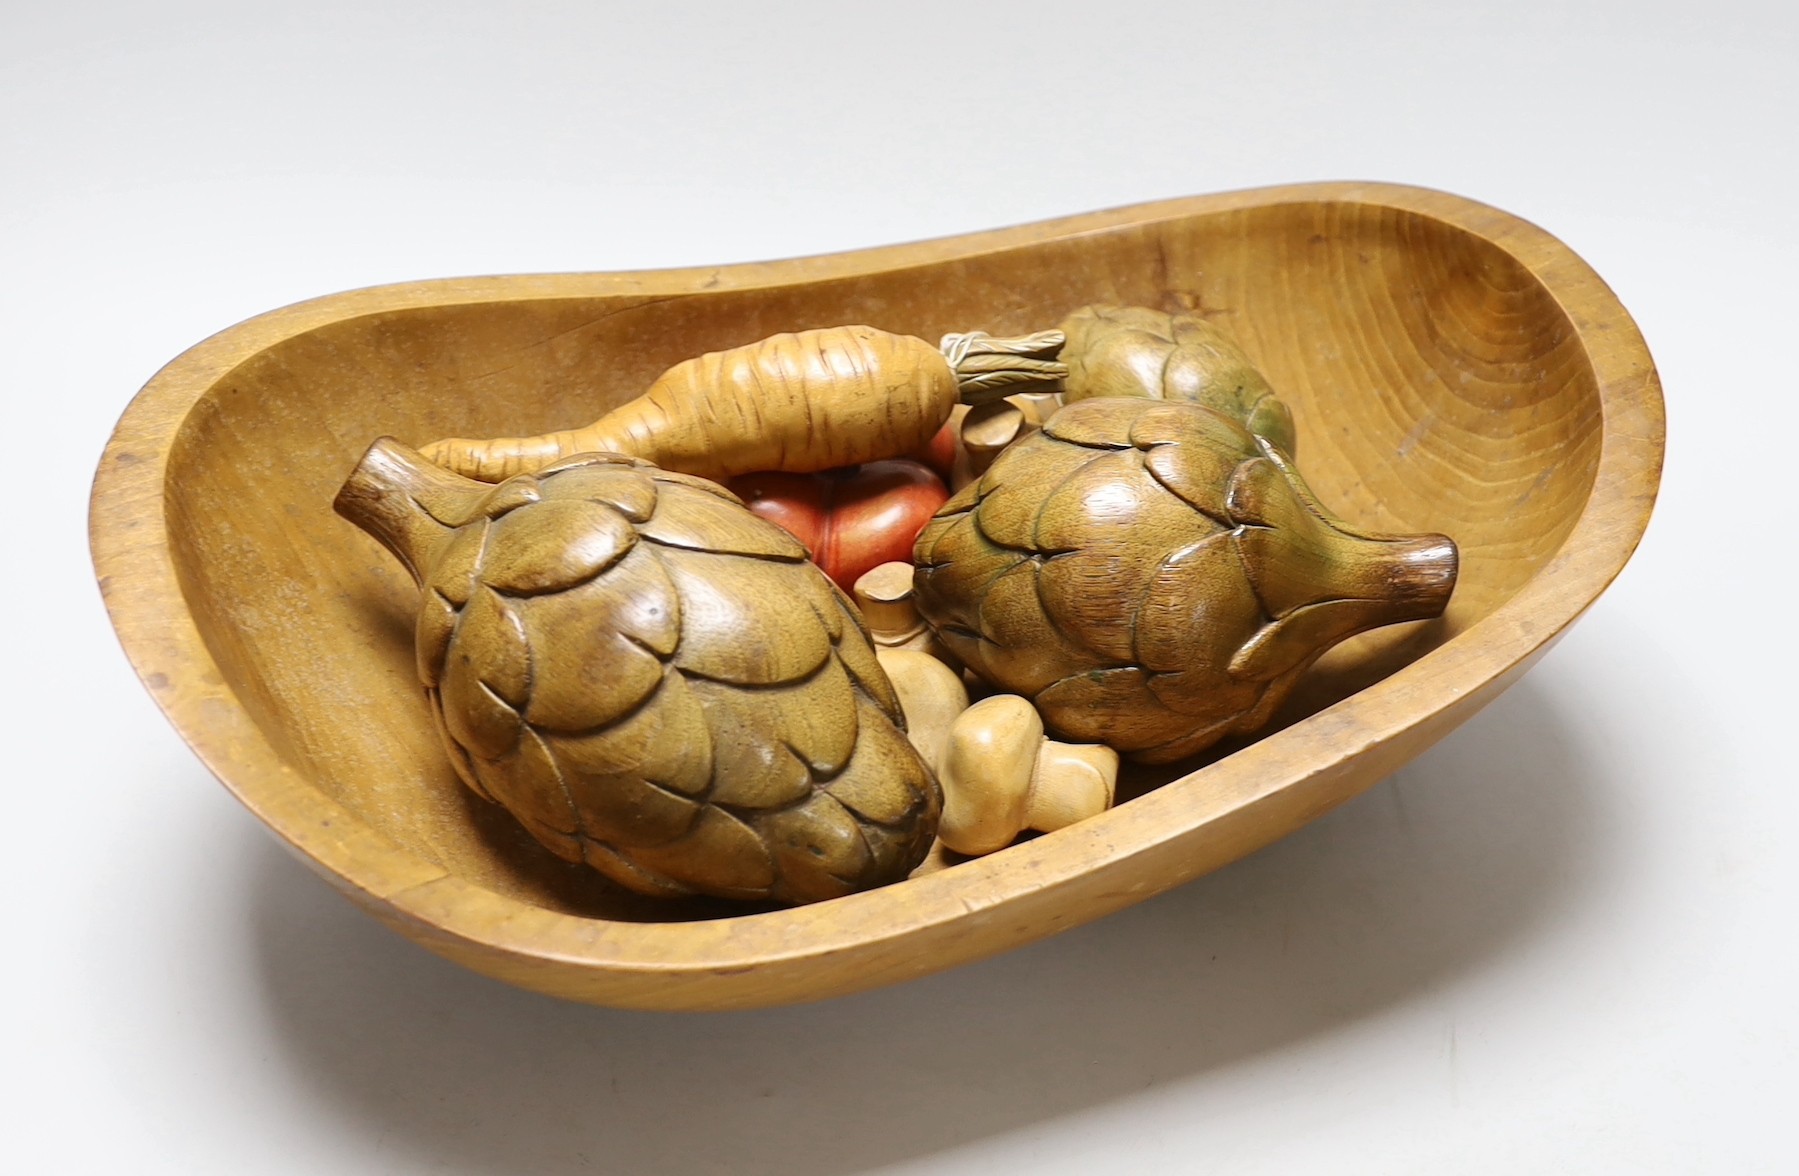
1451	367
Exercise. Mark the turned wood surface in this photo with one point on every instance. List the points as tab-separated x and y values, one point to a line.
931	694
1450	369
885	595
1001	776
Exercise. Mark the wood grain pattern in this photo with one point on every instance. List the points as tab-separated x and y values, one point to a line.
655	682
821	399
885	596
1154	577
853	520
931	694
1450	367
1001	777
1139	351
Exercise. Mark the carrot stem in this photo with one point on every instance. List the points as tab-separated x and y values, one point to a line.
990	367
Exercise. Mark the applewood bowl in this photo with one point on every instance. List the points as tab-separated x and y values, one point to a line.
1451	368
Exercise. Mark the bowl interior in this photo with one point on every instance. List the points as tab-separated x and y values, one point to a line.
1437	387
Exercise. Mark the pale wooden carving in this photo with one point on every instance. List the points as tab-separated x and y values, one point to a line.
931	695
1037	407
987	430
821	399
653	680
1001	776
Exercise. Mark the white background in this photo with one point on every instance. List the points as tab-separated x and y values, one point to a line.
1562	941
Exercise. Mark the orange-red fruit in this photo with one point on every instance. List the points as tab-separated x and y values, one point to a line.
940	454
851	520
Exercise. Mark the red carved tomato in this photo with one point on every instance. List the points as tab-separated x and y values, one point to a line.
850	520
940	454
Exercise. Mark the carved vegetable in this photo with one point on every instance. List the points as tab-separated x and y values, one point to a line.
651	679
930	693
1154	578
816	400
942	450
973	436
1135	351
885	596
1001	776
850	520
988	429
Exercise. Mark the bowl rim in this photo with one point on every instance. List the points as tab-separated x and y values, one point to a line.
908	928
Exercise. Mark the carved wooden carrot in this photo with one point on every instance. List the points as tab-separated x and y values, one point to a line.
815	400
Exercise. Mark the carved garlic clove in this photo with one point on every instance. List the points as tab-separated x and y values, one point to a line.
1000	776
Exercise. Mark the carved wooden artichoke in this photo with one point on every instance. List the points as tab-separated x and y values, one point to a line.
651	679
1154	577
1136	351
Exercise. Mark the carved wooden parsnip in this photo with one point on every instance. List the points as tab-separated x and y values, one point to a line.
1136	351
816	400
1001	776
1154	577
651	679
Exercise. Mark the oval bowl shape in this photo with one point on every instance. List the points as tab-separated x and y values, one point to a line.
1451	368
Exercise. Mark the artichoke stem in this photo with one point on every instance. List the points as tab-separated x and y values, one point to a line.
399	497
1299	555
1400	578
1421	575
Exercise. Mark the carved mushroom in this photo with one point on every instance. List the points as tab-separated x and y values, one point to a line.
989	428
931	696
885	596
1000	776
